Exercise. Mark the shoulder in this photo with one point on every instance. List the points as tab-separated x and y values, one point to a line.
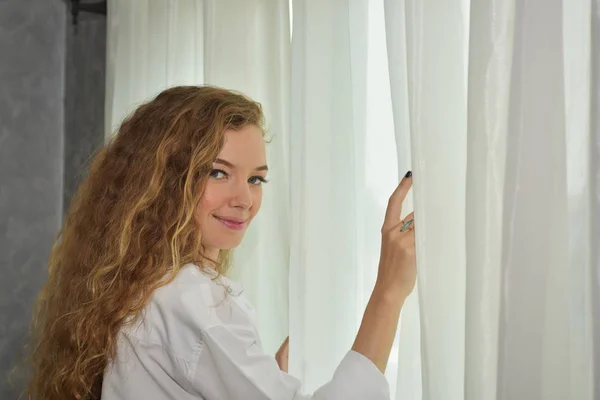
180	312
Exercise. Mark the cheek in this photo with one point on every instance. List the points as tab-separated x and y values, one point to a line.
203	208
211	200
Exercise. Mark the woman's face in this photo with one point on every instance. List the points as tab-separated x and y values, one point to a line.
233	192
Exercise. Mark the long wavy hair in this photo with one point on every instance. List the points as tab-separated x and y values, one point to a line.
130	228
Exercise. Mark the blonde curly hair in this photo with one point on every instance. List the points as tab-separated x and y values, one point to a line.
130	228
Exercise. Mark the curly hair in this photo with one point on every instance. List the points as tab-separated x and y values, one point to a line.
129	229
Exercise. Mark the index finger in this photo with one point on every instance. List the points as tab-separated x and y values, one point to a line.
394	208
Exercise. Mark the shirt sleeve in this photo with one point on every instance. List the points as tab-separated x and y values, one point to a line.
232	365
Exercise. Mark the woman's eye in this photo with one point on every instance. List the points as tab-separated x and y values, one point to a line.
257	180
218	174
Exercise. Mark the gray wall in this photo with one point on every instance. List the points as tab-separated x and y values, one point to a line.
84	102
32	47
51	116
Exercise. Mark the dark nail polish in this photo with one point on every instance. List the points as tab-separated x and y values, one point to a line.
408	174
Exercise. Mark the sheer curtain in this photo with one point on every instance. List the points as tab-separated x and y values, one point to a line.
151	45
329	195
506	193
493	104
491	108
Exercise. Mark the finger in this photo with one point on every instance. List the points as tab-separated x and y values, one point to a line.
394	209
401	226
284	352
398	231
285	344
408	222
407	225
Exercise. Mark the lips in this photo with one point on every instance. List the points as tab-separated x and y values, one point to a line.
232	223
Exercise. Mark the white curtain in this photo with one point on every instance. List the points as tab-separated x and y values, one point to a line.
505	195
328	185
151	45
493	104
594	124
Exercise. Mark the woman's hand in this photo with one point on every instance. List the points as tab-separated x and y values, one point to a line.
395	280
282	355
397	262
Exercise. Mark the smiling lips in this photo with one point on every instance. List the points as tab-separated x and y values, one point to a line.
232	223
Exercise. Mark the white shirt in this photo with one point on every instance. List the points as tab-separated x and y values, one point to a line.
196	342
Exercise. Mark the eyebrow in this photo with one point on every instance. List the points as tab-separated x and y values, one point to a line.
230	165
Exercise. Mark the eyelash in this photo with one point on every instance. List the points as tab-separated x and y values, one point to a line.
214	173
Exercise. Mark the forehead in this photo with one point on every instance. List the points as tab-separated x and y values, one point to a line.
244	148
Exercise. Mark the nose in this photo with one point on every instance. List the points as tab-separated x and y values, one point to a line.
241	196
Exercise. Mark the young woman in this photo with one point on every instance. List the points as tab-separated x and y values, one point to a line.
137	305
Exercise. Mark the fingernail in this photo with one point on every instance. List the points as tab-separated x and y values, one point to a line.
408	174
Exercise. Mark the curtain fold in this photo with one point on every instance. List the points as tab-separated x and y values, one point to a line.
577	87
518	321
327	132
490	60
436	57
408	375
151	45
407	350
534	249
594	151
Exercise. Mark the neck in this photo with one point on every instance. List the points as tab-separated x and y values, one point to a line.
211	254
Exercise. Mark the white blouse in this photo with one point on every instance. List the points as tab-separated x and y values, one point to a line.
195	342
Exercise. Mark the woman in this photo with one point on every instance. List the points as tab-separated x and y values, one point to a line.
137	305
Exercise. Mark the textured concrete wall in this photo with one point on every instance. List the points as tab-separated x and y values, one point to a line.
32	69
84	102
51	120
